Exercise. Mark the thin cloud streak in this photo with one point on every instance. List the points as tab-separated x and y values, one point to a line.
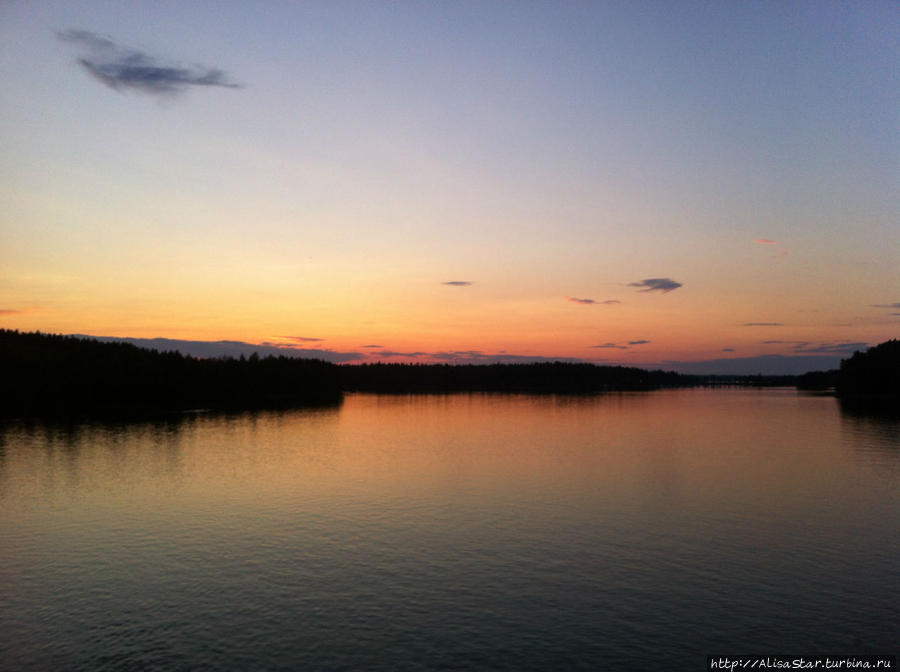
122	68
458	283
608	302
762	324
766	241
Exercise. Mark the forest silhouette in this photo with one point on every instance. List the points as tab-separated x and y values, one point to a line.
46	374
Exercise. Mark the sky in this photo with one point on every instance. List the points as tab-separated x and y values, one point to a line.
640	183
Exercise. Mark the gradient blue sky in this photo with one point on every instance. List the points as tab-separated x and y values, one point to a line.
540	151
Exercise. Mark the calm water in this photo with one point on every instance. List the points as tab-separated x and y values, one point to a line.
453	532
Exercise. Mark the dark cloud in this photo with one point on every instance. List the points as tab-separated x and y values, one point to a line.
886	305
122	68
663	285
304	339
372	345
762	324
638	342
458	283
610	345
727	349
392	353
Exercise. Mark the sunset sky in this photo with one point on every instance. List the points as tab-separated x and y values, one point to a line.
629	182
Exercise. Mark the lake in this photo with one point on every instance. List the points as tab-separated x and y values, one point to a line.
466	531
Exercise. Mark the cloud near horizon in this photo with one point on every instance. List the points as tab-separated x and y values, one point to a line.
120	68
831	348
762	324
205	349
458	283
641	342
474	357
664	285
610	345
886	305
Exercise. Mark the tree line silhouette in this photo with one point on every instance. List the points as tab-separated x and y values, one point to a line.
544	377
42	374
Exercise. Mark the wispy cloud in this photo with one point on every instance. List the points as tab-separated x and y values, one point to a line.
11	311
304	339
121	68
610	345
727	349
372	345
641	342
762	324
886	305
782	252
663	285
458	283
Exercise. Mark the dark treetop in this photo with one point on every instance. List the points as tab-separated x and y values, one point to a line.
873	372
